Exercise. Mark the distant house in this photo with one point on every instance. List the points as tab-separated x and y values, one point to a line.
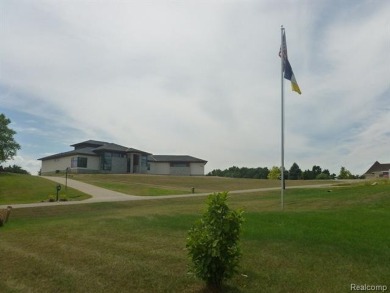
94	156
378	170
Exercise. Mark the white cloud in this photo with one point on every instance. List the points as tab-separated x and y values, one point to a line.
200	78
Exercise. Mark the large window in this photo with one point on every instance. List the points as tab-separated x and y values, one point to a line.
106	161
144	161
79	162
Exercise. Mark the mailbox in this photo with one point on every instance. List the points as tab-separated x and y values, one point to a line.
58	187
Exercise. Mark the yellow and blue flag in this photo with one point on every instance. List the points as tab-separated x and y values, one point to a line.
288	72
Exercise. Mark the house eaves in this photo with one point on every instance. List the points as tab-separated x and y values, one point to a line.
90	143
111	147
88	151
175	158
132	150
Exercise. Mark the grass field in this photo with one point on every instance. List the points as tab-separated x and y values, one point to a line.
322	242
154	185
16	188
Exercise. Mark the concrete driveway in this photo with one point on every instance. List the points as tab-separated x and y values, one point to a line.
105	195
98	195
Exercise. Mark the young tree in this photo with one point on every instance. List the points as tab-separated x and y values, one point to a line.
345	174
213	242
274	173
8	146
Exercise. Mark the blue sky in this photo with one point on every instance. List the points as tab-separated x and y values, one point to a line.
199	78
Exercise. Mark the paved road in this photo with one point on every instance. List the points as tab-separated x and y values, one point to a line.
105	195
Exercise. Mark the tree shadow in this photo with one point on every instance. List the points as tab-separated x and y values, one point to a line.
223	289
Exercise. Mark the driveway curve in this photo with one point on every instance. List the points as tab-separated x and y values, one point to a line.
105	195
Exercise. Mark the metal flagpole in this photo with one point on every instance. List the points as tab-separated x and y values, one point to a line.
282	49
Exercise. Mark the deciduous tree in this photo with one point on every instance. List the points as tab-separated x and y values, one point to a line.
274	173
345	174
8	146
213	242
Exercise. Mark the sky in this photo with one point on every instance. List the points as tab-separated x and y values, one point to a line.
199	78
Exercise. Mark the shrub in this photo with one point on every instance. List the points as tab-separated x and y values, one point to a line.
213	242
51	198
323	176
63	197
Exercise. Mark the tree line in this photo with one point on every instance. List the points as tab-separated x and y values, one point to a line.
294	173
13	169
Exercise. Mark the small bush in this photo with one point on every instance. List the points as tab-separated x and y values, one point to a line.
51	198
213	242
63	197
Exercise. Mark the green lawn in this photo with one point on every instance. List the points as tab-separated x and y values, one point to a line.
322	242
153	185
16	188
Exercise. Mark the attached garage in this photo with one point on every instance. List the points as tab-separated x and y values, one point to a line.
180	165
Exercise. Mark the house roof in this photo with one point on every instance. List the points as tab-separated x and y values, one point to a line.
132	150
82	151
92	143
93	148
175	158
111	147
118	148
378	167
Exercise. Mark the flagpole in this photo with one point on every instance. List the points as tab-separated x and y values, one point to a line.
282	121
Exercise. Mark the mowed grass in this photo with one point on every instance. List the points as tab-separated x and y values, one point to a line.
154	185
17	188
322	242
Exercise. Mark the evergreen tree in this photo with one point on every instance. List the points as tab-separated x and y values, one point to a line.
295	172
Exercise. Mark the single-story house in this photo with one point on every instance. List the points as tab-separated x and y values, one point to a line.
94	156
378	170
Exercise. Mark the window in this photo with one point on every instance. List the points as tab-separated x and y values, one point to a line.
106	161
73	163
79	162
144	161
82	162
180	164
